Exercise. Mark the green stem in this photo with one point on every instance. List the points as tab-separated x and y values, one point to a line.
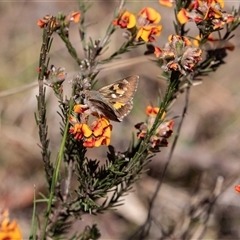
56	173
33	228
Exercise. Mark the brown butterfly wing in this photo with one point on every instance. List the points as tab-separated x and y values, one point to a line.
106	110
115	100
121	91
124	110
120	95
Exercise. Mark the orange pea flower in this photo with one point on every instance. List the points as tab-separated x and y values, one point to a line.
101	133
95	135
148	16
204	12
105	138
147	33
125	20
153	111
164	131
80	108
178	55
9	230
141	28
183	16
80	130
75	17
237	188
99	126
46	19
41	23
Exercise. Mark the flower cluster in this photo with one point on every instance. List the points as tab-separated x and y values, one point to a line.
8	230
54	75
207	14
61	21
164	131
178	54
144	26
93	135
46	19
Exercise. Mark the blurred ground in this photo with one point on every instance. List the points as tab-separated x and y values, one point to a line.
208	145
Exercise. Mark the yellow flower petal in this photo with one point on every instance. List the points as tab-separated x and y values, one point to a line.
145	34
108	131
221	3
78	108
166	3
87	132
102	141
182	16
131	21
99	141
139	33
105	122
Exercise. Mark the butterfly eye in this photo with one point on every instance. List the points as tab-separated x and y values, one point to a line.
83	96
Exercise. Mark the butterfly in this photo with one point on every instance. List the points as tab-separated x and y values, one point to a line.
114	101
